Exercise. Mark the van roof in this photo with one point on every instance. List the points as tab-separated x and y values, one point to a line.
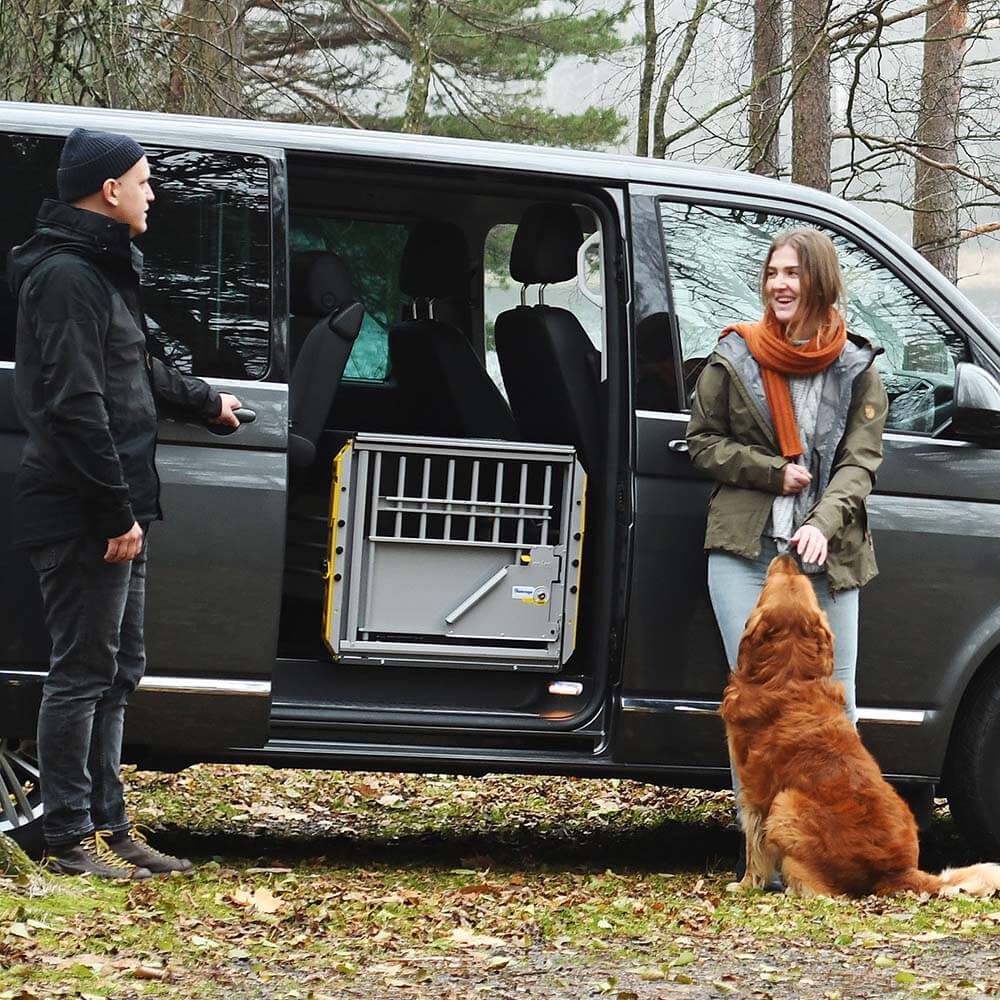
154	127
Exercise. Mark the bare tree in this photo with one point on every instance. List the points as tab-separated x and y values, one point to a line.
650	40
935	189
206	58
812	134
765	102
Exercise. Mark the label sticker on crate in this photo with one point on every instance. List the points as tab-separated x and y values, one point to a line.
529	595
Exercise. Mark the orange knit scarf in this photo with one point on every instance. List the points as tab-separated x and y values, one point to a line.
779	358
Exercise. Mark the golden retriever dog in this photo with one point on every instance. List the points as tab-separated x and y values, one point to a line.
814	804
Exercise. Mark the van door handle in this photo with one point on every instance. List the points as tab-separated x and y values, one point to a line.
680	446
243	415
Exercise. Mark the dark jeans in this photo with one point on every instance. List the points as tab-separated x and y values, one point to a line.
94	612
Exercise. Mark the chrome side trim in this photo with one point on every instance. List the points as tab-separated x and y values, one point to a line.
657	415
893	716
661	706
164	684
203	685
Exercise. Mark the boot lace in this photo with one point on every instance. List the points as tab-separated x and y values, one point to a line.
97	846
136	833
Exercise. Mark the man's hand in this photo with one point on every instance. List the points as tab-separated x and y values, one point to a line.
797	478
124	548
811	544
227	415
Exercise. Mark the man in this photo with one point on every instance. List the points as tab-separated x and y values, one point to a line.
87	489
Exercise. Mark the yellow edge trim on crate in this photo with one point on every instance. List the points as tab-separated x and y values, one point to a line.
579	569
331	552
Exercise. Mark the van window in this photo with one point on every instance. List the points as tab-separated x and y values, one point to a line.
714	255
206	273
372	252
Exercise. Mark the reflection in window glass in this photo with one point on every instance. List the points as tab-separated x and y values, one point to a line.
206	278
206	275
715	254
372	253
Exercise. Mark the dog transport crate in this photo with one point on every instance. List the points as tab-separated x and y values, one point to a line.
454	552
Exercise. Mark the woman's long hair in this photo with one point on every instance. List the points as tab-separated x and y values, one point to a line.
821	284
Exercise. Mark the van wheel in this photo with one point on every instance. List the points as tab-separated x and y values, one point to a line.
21	805
973	778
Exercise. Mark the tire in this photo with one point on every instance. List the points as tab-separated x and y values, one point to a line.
21	806
973	774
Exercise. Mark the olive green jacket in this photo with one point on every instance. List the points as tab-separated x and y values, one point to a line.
731	438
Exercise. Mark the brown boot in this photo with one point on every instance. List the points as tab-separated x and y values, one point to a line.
92	856
133	848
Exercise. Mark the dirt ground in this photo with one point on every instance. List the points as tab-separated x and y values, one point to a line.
334	885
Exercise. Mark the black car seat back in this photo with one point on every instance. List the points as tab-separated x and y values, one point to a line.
550	367
320	287
447	390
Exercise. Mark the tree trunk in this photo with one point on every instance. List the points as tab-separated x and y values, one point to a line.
765	103
415	114
935	201
811	132
648	75
207	59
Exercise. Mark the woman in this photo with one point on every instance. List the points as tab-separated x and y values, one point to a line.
787	419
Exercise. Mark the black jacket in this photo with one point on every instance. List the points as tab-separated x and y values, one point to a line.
85	383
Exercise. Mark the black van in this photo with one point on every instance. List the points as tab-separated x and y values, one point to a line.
463	529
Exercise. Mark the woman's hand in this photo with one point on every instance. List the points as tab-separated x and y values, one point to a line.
811	544
797	478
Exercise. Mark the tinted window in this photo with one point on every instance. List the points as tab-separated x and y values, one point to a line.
372	253
714	256
206	278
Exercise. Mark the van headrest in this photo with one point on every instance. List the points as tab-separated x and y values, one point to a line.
435	262
318	283
545	245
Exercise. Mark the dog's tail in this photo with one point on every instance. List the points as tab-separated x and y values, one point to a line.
976	880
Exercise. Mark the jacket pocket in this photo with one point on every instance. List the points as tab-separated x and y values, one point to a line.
47	557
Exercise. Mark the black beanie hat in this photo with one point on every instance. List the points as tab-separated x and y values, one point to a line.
90	158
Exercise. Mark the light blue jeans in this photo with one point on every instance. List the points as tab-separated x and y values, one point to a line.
734	585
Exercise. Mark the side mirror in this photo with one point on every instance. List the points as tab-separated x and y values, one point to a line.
977	405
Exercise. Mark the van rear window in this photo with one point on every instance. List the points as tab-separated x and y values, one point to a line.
371	253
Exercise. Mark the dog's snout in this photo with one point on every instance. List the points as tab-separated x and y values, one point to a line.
784	564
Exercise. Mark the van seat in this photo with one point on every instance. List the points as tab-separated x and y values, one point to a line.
550	367
320	289
448	392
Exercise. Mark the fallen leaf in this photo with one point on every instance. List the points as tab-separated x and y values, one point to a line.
148	972
469	938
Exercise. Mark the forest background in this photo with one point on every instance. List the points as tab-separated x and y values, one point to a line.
893	104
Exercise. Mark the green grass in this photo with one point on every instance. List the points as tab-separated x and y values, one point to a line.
422	884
